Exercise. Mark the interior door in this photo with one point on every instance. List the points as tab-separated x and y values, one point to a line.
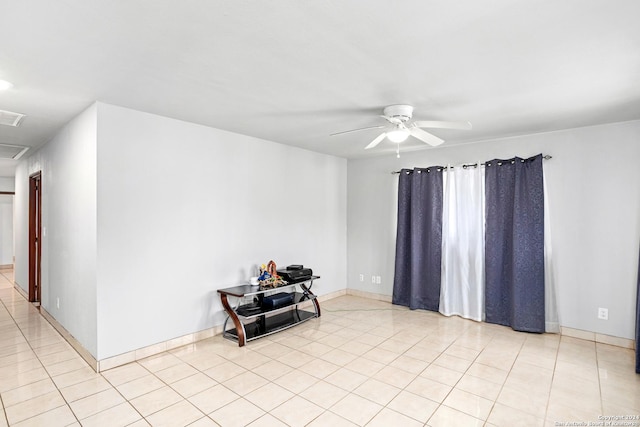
35	231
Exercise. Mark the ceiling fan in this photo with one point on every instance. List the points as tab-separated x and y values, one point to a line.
399	127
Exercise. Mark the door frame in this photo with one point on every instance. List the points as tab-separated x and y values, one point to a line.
35	236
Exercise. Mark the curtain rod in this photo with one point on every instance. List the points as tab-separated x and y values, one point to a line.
473	165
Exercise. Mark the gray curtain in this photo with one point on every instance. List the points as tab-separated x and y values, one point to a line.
514	244
419	239
638	323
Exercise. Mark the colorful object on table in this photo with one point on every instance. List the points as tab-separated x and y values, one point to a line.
269	277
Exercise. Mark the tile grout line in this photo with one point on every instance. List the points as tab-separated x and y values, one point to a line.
553	375
4	411
47	371
454	386
38	357
595	345
457	338
416	376
505	381
128	400
440	404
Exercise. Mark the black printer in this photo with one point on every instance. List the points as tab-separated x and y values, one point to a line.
295	273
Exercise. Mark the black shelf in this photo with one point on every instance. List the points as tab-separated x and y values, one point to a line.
249	311
269	325
248	290
252	320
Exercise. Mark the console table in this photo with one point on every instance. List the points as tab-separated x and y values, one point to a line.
253	321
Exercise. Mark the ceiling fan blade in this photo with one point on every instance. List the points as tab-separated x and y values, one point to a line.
425	136
357	130
376	141
442	125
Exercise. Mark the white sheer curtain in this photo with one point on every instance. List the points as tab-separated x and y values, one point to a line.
463	223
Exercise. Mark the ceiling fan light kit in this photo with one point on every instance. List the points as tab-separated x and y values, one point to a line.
398	117
398	135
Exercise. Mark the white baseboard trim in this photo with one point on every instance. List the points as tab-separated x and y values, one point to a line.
151	350
599	338
20	290
370	295
83	352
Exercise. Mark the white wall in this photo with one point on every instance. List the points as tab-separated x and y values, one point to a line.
68	270
184	210
594	197
7	184
6	229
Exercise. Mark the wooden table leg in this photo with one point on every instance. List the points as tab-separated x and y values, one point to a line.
234	317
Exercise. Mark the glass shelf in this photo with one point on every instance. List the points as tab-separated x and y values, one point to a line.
250	311
252	320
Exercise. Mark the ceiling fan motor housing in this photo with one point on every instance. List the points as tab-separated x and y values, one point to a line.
400	112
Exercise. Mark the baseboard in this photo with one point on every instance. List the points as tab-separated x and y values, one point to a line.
20	290
369	295
83	352
599	338
569	332
151	350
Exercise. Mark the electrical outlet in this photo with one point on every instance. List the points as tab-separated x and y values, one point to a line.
58	302
378	280
373	279
603	313
362	277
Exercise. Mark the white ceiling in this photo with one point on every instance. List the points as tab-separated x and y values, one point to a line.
296	71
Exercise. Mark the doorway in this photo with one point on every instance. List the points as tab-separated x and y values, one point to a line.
6	230
35	231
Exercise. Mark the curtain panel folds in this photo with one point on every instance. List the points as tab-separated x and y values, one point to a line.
462	288
477	249
514	244
419	239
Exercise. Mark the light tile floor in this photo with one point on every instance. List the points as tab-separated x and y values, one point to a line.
362	363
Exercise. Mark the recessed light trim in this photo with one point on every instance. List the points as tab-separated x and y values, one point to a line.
9	118
12	151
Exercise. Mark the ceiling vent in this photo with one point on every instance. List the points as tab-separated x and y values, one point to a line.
9	118
12	151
